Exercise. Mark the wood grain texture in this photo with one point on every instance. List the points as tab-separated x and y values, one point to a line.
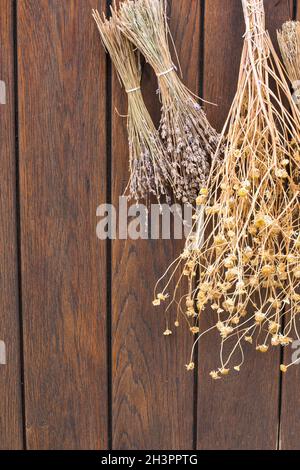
11	434
290	403
240	412
290	413
152	393
63	180
63	99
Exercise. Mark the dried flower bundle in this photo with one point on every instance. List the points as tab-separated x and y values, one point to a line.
289	42
189	138
248	265
150	172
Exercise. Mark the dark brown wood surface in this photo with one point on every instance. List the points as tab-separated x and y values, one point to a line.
63	179
290	399
230	414
11	423
98	371
152	393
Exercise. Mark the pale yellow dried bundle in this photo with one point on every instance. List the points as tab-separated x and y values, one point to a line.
150	171
189	138
247	252
289	42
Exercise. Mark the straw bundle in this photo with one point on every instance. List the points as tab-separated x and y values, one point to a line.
189	138
150	171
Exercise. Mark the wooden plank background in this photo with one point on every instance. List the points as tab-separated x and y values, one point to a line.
229	415
62	158
151	389
11	422
87	365
290	401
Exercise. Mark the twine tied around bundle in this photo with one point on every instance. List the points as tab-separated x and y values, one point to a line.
166	72
132	90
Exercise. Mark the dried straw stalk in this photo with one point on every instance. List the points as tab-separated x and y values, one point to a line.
189	138
289	42
249	263
150	172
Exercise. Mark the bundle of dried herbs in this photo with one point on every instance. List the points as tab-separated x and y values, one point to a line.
289	42
150	170
243	265
189	138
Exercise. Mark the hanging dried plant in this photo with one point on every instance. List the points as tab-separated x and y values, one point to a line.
289	42
249	264
150	171
189	138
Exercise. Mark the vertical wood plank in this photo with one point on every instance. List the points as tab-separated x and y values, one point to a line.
290	402
11	434
63	180
240	412
152	392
